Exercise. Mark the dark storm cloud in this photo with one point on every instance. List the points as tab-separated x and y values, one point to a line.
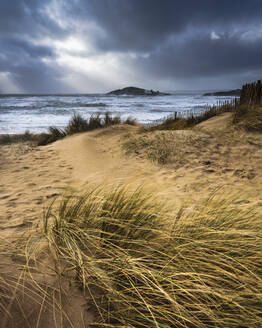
23	61
172	39
23	49
22	24
204	57
26	17
142	25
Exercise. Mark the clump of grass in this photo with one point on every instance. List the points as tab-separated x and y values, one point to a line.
175	122
249	118
130	121
143	269
78	124
17	138
30	293
163	147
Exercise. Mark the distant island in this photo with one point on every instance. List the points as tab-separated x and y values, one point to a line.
133	91
235	92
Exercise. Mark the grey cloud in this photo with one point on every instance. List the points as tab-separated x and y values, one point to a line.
169	39
142	25
22	48
204	57
26	17
22	24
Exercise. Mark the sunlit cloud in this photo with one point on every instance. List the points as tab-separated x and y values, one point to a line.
214	36
7	84
94	46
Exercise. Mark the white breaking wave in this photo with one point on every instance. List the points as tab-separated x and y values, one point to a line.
36	113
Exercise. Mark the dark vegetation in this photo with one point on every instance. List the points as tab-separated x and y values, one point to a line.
78	124
6	139
248	114
236	92
134	91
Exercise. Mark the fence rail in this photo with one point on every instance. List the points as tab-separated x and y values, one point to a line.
251	94
226	105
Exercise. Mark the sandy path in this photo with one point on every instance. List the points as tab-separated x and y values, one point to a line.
97	157
236	168
29	178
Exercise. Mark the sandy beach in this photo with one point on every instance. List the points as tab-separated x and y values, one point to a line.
212	158
32	176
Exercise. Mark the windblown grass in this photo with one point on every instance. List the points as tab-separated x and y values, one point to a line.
164	147
78	124
175	122
249	118
6	139
141	268
30	293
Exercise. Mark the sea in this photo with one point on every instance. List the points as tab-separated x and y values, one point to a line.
35	113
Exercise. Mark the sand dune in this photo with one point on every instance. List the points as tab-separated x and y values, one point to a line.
30	177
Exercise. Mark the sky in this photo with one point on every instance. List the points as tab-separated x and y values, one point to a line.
93	46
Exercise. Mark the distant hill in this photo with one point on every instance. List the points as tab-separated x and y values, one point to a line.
235	92
133	91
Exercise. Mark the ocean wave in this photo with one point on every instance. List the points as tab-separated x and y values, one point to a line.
160	110
54	105
74	105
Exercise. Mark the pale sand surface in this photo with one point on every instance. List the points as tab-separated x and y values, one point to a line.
31	177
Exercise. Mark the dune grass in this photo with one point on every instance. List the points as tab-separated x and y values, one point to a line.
164	147
142	267
249	118
6	139
175	122
78	124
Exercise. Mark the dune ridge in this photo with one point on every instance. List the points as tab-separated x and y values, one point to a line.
212	159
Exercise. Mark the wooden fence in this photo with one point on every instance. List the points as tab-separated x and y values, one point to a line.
251	94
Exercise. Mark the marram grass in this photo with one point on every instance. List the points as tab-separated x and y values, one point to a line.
141	268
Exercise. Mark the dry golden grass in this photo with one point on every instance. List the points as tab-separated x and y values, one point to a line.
249	118
142	268
164	147
116	256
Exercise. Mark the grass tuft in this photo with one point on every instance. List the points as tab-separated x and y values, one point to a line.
142	269
6	139
175	122
249	118
78	124
164	147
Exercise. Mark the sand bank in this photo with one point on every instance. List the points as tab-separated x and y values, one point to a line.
213	159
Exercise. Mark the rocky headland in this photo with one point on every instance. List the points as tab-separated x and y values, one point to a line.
134	91
235	92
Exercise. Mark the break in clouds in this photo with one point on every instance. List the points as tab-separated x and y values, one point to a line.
52	46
